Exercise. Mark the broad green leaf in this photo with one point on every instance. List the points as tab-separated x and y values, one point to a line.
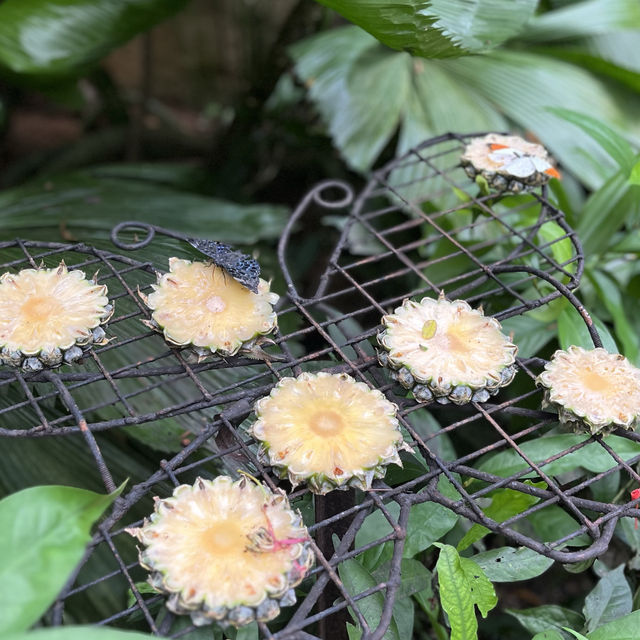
609	600
609	292
611	141
43	534
553	523
592	457
625	628
430	604
573	330
90	206
55	37
548	616
483	593
250	632
507	564
438	28
634	176
357	579
455	595
415	577
78	633
550	634
604	213
428	522
333	65
599	55
575	634
505	503
585	18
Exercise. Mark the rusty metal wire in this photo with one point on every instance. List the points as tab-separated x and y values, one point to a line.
419	226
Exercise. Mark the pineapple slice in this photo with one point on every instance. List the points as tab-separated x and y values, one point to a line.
198	305
225	551
594	391
328	430
508	163
50	317
446	351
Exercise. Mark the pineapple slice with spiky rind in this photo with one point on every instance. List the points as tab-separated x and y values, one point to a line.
197	305
592	390
480	158
446	351
327	430
226	551
50	317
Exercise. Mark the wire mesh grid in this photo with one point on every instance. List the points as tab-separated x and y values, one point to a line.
420	227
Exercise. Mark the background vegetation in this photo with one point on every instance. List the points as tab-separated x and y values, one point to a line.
229	111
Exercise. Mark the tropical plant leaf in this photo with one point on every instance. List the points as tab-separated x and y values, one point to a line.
508	564
609	600
463	585
88	207
43	534
592	457
344	77
572	330
548	616
357	579
505	503
625	628
428	522
523	86
611	141
579	19
56	37
438	28
606	211
609	292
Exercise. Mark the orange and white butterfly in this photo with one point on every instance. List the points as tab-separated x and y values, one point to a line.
520	164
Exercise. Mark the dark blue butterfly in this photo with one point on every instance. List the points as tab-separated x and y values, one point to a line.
239	266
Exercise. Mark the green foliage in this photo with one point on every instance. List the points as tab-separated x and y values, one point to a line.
357	579
508	564
573	330
505	503
591	457
89	203
438	28
43	534
49	38
609	600
463	585
549	616
346	71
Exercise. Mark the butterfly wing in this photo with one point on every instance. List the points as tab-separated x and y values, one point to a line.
239	266
522	167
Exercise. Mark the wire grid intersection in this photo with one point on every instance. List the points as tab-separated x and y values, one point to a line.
419	227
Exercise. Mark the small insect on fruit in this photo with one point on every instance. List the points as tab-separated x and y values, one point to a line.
50	317
196	305
226	551
239	266
508	163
